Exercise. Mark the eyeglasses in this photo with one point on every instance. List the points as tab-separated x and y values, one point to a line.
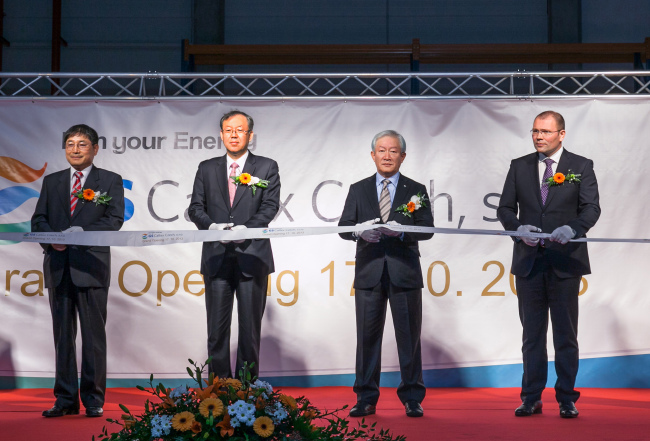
544	133
80	146
239	132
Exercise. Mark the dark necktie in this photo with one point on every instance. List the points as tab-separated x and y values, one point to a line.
76	188
384	202
547	174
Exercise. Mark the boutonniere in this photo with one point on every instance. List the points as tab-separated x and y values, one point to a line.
415	203
88	195
560	178
252	181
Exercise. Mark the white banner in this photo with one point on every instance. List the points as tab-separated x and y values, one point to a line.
460	150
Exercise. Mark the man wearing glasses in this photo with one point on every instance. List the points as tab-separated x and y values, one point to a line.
235	191
550	191
80	198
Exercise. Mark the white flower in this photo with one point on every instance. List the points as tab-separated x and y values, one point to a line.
254	180
417	201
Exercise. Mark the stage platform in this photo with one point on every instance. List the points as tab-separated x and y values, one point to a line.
450	414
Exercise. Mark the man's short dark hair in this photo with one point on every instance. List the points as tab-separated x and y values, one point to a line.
82	130
232	113
559	119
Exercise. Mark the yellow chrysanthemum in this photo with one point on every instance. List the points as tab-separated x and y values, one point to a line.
234	383
183	421
88	194
244	178
263	426
289	401
211	406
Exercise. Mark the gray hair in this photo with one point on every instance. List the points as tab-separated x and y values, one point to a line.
392	134
232	113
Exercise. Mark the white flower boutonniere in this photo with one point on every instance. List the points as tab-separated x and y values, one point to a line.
415	203
252	181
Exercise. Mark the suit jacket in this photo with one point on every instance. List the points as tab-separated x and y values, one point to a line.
575	205
89	266
210	204
401	255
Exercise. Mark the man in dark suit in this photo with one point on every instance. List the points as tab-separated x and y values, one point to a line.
387	270
78	277
240	267
548	271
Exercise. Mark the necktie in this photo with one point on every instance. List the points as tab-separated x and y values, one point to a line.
547	174
384	202
232	187
75	189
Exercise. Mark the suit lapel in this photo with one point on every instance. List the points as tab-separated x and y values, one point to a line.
64	191
221	175
370	187
536	179
401	195
249	167
92	182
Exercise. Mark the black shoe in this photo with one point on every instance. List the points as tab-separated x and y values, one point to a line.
528	408
93	412
362	409
413	409
58	411
568	410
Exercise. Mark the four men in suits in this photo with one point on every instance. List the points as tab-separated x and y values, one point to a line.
552	191
535	198
80	198
387	271
238	268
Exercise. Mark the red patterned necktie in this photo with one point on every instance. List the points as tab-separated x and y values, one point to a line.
232	187
76	188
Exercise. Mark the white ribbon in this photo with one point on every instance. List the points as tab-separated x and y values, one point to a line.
168	237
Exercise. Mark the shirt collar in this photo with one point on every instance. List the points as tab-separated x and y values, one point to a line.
240	161
555	156
85	171
393	179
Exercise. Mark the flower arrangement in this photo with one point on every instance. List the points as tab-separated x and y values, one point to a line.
247	409
415	203
88	195
252	181
561	178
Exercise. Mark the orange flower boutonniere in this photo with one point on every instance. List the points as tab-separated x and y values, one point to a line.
561	178
88	195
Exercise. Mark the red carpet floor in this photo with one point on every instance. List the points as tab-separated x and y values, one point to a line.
450	414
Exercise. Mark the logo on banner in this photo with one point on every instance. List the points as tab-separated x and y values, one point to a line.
11	198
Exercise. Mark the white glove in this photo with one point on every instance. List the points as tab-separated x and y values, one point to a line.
239	228
73	230
369	235
389	232
219	226
562	234
530	241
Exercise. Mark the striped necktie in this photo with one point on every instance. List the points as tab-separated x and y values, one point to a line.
384	202
76	188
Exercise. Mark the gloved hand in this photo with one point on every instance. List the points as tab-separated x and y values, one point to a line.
387	232
530	241
73	230
239	228
220	226
369	235
562	234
